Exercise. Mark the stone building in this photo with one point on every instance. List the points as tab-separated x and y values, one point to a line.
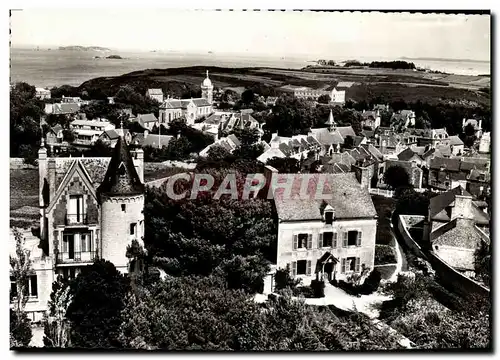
324	239
89	208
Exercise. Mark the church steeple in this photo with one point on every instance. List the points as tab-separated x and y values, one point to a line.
121	177
330	122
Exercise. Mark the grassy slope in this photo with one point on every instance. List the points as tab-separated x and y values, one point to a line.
389	84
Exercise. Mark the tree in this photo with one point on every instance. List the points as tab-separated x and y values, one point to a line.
285	165
324	99
95	312
348	142
396	176
68	135
218	153
482	263
55	325
248	96
20	271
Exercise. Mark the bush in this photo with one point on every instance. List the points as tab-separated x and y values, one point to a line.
283	280
20	329
369	286
384	254
318	288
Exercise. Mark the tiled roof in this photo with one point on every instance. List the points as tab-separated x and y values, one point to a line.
269	154
95	167
373	151
323	136
349	199
201	102
468	164
358	140
234	139
121	177
462	234
113	134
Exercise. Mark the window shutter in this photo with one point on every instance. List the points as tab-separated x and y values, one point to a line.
334	241
320	241
309	241
344	239
34	285
308	270
357	264
358	242
343	266
295	241
294	268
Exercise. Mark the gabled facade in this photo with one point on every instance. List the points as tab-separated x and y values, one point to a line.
89	208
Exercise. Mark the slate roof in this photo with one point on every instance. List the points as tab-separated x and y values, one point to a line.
113	134
183	103
455	140
65	108
358	140
373	151
449	164
121	177
152	140
155	92
468	164
440	202
234	139
349	199
345	131
269	154
146	118
406	154
323	136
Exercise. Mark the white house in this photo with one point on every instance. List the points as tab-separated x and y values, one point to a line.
88	131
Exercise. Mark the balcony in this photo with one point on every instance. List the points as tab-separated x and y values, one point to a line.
76	219
76	257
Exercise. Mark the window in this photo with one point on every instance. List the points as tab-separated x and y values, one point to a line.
328	239
302	241
351	238
301	267
350	264
124	207
75	211
86	242
31	288
133	228
329	217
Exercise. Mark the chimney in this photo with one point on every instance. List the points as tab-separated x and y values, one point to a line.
146	132
139	163
463	207
268	174
480	124
463	123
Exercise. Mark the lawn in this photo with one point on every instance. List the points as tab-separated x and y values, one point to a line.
23	188
384	207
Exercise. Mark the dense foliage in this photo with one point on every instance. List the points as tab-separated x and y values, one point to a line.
98	298
384	254
56	327
396	176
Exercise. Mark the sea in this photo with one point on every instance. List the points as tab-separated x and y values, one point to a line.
49	68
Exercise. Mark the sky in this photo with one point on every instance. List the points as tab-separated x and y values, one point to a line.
326	34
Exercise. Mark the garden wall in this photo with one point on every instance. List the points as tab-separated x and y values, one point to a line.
405	234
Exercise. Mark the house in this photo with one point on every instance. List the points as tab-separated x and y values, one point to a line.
456	145
476	124
88	131
404	117
324	239
337	97
147	121
190	109
153	140
62	108
156	94
110	137
73	100
89	207
409	155
434	138
448	173
371	119
42	93
111	100
54	135
271	100
455	228
230	143
485	143
297	146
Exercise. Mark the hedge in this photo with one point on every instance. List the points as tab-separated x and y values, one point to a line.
384	254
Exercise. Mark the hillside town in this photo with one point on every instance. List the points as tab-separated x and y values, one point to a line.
148	214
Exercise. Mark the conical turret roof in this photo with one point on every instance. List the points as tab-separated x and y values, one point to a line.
121	177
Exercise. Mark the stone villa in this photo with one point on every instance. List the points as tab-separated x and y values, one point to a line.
89	207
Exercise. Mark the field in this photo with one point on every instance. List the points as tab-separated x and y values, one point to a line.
24	211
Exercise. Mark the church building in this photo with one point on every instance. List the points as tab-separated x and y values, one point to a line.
190	109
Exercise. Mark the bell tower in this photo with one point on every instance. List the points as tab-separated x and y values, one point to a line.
207	89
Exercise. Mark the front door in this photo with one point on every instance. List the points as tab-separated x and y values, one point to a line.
329	270
71	247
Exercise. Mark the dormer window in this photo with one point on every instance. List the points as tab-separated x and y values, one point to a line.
329	214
